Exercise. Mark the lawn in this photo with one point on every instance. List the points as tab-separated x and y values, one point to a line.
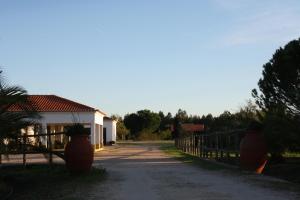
146	142
289	170
171	150
45	182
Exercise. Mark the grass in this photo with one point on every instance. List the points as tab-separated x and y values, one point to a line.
171	150
46	182
291	155
288	171
146	143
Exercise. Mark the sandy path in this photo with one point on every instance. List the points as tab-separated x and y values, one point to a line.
146	173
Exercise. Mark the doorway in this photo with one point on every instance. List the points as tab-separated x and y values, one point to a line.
104	136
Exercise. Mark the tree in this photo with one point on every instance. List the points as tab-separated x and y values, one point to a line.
133	123
225	121
143	120
182	115
247	114
149	120
280	84
116	117
178	132
11	123
122	131
208	121
280	99
166	121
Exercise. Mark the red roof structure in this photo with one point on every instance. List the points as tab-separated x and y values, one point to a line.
53	103
189	127
192	127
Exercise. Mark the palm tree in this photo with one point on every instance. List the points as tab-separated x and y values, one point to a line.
11	123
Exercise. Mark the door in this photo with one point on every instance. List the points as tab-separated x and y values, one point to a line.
104	136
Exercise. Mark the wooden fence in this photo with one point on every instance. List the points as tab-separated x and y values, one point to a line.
220	146
32	144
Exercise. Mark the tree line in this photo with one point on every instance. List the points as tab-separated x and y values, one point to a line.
276	108
146	124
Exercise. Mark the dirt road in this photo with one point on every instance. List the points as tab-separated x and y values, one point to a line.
143	172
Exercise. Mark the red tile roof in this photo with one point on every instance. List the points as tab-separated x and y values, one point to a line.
53	103
189	127
192	127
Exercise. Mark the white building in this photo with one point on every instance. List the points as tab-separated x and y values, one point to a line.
109	131
58	113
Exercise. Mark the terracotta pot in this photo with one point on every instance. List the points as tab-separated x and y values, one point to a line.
253	151
79	154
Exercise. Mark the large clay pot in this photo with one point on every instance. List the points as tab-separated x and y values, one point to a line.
79	154
253	151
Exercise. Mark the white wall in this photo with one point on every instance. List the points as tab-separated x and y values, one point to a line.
114	131
66	117
91	118
111	130
98	118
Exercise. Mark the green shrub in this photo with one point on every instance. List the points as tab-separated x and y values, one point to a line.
165	135
147	135
281	133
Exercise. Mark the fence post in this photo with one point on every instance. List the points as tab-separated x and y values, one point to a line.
188	144
181	144
185	144
222	146
236	141
204	143
196	145
50	148
192	144
24	150
228	147
207	146
217	146
210	146
201	146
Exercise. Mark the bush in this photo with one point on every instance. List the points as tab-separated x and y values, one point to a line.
147	135
165	135
281	134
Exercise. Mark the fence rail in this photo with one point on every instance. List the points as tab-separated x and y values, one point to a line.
32	144
220	146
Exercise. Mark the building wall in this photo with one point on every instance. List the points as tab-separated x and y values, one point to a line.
114	131
94	119
66	118
98	118
98	139
111	130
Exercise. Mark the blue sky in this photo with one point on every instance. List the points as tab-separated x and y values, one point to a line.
123	56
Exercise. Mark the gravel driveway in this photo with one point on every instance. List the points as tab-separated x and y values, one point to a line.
143	172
